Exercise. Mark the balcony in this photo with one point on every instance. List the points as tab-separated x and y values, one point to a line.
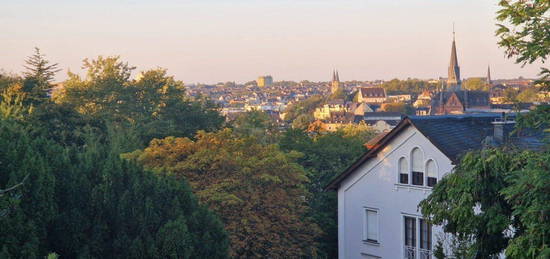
411	252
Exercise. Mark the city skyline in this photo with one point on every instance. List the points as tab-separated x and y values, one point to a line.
214	41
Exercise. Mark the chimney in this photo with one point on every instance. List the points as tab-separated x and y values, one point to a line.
502	129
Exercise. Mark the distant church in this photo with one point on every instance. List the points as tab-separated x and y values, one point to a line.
452	99
335	84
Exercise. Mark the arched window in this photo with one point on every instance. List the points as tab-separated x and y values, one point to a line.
417	159
403	171
431	172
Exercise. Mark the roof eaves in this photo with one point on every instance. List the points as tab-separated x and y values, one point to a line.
334	183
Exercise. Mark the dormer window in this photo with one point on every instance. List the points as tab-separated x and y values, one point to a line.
417	167
403	171
431	171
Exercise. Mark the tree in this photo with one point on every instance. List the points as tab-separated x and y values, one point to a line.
256	124
155	106
409	86
476	84
324	156
397	107
469	203
306	106
86	201
256	189
302	121
527	192
40	69
524	32
527	96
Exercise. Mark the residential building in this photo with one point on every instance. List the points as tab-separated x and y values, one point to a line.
381	121
378	196
263	81
324	112
371	95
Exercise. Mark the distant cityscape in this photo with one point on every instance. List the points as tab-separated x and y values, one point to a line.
380	104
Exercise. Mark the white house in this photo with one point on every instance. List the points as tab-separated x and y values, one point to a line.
378	196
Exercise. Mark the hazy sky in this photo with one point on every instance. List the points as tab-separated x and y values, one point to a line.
237	40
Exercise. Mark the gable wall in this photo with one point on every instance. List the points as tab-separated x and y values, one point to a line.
375	185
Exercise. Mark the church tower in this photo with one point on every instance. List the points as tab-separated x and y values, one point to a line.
335	84
488	75
453	79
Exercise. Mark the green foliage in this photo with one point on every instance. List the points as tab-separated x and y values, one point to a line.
496	200
156	104
303	121
538	119
528	193
87	202
256	124
527	96
39	68
339	94
469	204
306	106
476	84
324	157
398	107
256	189
409	86
524	32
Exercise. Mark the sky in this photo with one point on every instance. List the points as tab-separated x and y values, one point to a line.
209	41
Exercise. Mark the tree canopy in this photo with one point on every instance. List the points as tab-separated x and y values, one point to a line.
258	191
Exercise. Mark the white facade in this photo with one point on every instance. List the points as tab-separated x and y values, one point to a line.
373	191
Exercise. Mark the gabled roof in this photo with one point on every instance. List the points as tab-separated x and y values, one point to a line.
369	92
453	135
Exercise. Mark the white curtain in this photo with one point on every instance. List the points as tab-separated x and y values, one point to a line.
431	169
417	160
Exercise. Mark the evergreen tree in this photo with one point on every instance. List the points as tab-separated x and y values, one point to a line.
40	69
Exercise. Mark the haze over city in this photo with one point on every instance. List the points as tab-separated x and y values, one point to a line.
212	41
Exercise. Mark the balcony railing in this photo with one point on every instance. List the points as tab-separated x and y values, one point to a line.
411	252
424	254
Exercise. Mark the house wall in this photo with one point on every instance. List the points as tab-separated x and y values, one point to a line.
375	185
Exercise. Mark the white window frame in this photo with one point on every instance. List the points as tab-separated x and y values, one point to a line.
365	225
407	170
417	234
436	168
422	164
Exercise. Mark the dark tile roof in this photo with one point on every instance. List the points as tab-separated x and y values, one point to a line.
454	135
372	92
383	114
467	98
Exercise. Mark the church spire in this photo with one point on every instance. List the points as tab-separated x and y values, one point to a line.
453	79
335	84
488	75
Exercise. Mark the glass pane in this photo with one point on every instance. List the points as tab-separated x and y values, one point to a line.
404	178
372	225
410	231
418	178
425	235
